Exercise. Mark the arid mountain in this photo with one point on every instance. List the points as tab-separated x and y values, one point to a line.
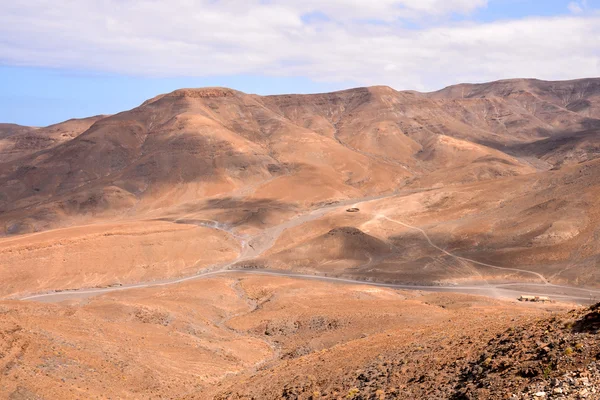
18	141
252	162
216	244
581	96
199	143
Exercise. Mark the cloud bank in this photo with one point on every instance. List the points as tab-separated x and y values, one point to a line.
408	44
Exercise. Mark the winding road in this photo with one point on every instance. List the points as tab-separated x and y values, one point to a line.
524	271
253	247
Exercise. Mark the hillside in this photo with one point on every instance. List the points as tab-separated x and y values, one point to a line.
362	244
19	141
502	173
552	356
247	336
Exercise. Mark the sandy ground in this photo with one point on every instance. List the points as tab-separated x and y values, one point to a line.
198	337
109	254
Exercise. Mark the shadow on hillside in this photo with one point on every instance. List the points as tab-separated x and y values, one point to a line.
557	141
590	322
231	203
236	211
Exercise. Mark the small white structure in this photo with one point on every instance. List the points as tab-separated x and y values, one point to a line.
525	297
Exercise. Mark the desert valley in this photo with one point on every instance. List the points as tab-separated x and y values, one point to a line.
362	244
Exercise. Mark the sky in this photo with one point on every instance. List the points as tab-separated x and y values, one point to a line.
62	59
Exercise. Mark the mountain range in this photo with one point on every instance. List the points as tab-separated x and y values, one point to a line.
362	244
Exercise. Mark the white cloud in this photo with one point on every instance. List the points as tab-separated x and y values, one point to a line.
191	37
579	6
384	9
576	7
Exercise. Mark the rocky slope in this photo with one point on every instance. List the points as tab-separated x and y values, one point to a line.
206	142
248	336
553	357
504	173
18	141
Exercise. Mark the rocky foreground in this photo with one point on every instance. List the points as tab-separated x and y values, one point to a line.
548	358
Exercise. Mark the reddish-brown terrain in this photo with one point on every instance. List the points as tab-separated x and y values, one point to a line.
177	239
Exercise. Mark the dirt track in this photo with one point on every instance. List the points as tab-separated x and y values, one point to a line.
255	246
569	294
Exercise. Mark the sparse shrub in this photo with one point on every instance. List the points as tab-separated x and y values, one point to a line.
568	351
352	393
569	325
547	371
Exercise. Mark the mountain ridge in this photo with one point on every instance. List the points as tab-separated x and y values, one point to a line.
224	155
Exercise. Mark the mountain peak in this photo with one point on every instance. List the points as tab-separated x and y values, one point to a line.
206	92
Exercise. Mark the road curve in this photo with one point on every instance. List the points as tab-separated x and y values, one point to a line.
498	291
253	247
540	276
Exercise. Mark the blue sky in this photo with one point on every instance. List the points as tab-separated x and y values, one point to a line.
511	9
37	96
68	59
